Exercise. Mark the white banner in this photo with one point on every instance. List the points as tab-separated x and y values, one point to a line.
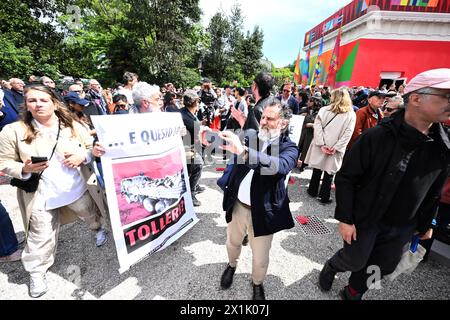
147	183
295	128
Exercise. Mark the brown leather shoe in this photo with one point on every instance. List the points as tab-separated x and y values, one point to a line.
15	256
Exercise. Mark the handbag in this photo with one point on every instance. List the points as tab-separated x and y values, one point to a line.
410	259
31	185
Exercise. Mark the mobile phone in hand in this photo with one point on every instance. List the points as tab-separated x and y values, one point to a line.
38	159
213	138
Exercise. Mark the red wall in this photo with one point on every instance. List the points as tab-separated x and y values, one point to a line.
408	57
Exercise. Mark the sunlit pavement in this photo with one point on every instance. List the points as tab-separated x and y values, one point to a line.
191	267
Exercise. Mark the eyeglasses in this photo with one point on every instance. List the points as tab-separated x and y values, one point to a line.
437	94
77	91
286	90
388	109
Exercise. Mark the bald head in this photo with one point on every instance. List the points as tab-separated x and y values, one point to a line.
78	89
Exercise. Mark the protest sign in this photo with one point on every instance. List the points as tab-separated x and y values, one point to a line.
146	180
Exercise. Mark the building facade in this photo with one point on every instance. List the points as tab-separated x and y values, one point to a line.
383	41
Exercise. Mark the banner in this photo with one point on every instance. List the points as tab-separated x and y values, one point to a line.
295	128
147	183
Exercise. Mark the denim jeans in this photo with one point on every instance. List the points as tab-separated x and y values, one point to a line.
8	240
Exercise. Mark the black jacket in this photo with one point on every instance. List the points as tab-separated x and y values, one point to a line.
393	166
268	193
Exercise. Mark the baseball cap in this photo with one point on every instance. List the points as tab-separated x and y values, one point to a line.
377	93
206	80
435	78
189	97
75	98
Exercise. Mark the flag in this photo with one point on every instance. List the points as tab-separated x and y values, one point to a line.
306	73
317	68
297	75
320	47
334	61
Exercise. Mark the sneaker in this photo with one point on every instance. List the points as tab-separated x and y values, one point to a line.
15	256
326	277
258	292
346	295
199	189
227	277
324	201
100	237
196	202
38	285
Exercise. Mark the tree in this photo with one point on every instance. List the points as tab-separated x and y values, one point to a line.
161	31
218	56
251	52
282	75
33	40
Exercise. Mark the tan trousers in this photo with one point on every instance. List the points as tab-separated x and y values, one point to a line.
240	225
39	253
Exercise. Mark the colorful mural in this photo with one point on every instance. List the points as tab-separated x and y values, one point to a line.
358	8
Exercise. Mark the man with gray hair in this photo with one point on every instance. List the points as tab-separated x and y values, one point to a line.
15	94
393	105
98	105
147	98
255	196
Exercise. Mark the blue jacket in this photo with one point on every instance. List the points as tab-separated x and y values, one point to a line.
10	111
292	103
268	193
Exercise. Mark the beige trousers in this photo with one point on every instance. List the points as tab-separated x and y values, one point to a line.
240	225
39	253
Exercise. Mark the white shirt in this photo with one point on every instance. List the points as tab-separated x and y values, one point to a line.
60	185
127	93
244	187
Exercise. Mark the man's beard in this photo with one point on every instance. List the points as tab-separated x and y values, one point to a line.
265	134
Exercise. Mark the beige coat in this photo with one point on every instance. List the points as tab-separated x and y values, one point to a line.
13	150
336	134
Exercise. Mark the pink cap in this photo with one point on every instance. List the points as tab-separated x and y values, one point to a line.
436	78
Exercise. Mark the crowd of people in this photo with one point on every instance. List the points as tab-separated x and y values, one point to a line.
386	149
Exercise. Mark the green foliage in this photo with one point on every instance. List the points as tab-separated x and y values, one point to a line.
30	41
282	75
233	55
163	41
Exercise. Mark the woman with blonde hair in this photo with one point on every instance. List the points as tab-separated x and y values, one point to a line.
49	147
333	128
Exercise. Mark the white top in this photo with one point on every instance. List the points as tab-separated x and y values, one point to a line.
127	93
60	185
244	188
